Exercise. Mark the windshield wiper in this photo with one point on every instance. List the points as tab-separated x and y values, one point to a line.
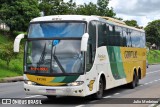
57	61
41	60
59	64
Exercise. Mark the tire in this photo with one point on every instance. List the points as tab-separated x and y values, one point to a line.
50	97
99	94
135	81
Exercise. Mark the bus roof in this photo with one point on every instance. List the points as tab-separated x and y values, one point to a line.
109	20
65	17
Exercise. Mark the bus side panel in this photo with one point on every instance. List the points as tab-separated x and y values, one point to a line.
133	58
111	68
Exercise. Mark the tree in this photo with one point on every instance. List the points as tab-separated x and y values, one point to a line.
87	9
57	7
131	23
153	32
72	7
16	14
99	9
103	9
7	54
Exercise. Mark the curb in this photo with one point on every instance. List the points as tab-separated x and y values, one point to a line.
11	79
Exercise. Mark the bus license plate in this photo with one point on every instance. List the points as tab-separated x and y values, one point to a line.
50	90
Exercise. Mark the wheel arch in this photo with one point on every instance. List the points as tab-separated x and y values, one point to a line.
134	71
101	75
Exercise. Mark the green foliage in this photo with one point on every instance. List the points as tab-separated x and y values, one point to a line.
16	64
148	44
100	9
153	32
6	53
56	7
131	23
103	9
87	9
3	40
153	56
18	13
17	68
11	71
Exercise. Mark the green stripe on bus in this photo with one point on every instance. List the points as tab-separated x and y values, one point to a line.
65	79
59	79
69	79
116	62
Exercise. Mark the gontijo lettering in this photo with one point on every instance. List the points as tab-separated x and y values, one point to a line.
130	54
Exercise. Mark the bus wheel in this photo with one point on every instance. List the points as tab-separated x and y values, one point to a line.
134	83
99	94
137	80
50	97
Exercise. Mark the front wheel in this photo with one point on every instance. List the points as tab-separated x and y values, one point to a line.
99	94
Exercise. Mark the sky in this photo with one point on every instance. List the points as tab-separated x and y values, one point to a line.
143	11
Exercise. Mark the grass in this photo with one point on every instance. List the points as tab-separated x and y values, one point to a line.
3	39
16	65
153	56
11	71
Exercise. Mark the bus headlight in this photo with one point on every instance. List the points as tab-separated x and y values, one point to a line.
76	83
29	82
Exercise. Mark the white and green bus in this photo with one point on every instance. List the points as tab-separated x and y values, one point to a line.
76	55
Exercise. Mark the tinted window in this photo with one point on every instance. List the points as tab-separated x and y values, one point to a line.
102	34
119	36
91	45
143	40
138	39
110	35
135	37
127	33
48	30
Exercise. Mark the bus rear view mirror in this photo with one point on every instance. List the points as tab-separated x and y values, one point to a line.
84	42
17	42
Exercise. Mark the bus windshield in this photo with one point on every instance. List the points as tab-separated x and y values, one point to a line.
56	29
54	57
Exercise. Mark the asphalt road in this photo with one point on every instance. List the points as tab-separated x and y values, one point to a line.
149	87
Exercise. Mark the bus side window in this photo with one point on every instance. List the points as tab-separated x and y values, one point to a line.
124	38
107	33
91	48
143	40
102	31
89	57
127	37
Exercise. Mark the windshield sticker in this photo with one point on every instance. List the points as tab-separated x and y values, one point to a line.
38	68
55	42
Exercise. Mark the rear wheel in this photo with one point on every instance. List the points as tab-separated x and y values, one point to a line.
99	94
135	82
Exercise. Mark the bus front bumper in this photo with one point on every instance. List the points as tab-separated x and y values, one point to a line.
55	90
